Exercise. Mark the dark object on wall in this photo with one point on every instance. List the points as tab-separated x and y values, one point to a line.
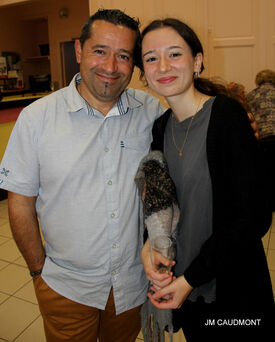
40	82
44	49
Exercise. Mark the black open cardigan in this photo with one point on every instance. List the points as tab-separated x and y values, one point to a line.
234	254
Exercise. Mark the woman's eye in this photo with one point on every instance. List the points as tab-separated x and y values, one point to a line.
150	59
175	54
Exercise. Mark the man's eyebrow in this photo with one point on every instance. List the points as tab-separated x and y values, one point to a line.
169	48
101	46
126	51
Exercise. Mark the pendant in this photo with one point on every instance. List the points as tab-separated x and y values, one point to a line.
180	154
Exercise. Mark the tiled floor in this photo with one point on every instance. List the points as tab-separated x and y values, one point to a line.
20	319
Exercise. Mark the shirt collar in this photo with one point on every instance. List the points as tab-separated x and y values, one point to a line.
76	102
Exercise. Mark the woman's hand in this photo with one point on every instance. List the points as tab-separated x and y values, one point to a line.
159	280
175	294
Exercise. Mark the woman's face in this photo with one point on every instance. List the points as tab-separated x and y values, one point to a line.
168	62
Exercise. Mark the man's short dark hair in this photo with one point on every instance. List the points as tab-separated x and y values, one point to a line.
116	17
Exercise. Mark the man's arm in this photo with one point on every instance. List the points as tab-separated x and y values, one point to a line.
25	230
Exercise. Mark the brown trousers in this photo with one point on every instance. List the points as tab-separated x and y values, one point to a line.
65	320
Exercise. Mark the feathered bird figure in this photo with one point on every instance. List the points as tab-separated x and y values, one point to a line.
158	194
161	216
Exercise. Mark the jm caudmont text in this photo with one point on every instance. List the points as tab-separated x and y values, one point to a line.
233	322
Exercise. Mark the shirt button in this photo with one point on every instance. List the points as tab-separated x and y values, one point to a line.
110	182
114	273
113	215
114	246
106	149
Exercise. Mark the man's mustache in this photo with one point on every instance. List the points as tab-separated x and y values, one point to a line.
107	74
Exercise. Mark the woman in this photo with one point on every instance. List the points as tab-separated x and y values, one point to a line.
221	277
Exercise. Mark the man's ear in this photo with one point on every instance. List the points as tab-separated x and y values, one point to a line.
78	50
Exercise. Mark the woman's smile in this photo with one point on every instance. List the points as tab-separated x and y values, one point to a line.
166	80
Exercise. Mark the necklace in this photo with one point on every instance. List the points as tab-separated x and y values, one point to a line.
180	150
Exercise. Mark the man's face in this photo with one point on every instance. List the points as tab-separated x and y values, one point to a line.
106	62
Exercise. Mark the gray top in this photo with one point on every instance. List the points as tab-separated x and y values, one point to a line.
81	166
194	191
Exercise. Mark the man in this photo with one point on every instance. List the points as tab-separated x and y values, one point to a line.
71	161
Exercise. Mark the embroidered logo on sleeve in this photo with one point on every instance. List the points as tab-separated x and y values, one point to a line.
4	172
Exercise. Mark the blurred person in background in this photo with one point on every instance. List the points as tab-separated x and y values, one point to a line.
261	102
237	91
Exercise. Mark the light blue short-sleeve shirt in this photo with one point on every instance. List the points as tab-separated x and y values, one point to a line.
81	166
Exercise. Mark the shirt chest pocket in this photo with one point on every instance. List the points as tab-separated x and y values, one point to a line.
139	143
135	148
